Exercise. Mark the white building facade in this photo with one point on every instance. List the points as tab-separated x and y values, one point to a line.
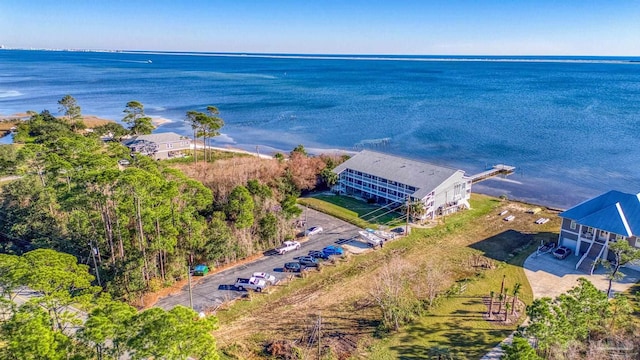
388	179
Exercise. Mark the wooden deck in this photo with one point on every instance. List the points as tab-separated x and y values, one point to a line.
496	170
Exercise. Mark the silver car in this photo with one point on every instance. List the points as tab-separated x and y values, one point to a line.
313	230
266	277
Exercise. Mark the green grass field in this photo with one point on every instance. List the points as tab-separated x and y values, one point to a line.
354	211
457	326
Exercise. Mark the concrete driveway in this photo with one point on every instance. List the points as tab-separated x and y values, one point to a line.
215	289
550	277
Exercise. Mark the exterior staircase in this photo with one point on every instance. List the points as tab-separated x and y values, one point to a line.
587	263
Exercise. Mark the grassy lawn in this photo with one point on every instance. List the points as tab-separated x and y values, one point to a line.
350	319
457	325
353	211
215	155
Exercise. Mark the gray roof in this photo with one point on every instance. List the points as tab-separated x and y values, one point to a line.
613	211
421	175
158	138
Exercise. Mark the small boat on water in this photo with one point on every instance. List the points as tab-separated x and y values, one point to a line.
149	61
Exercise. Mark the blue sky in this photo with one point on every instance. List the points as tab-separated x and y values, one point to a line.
445	27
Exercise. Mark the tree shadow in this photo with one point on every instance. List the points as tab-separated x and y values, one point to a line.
507	244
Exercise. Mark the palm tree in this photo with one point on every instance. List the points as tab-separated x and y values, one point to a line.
516	292
500	302
506	311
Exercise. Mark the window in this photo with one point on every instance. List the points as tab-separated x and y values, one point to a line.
620	237
169	145
573	225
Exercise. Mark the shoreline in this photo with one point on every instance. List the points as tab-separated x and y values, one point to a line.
89	120
487	191
528	193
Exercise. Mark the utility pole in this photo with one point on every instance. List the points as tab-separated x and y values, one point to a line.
95	265
406	227
190	293
319	336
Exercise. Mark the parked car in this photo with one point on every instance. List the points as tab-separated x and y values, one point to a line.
200	270
562	252
318	254
333	250
313	230
293	266
308	261
270	279
288	246
398	230
371	239
251	283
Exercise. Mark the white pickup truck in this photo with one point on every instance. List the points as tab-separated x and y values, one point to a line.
288	246
371	239
252	283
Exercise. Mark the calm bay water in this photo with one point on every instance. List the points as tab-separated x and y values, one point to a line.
570	125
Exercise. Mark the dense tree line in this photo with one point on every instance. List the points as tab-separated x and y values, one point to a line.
582	323
62	316
139	226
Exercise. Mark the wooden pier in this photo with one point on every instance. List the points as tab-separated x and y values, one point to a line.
496	170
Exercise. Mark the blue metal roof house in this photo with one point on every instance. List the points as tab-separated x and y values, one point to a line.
589	227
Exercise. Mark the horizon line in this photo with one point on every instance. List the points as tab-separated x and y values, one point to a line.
243	53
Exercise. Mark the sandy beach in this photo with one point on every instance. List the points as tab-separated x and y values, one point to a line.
89	120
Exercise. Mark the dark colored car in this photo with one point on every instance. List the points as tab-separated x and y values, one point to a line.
293	267
200	270
333	250
308	261
562	252
318	254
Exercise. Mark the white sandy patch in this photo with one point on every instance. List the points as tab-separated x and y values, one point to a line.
224	138
159	120
10	93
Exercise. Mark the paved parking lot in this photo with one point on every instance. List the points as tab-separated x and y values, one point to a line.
550	277
214	289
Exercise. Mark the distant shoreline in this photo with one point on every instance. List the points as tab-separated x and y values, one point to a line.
621	59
